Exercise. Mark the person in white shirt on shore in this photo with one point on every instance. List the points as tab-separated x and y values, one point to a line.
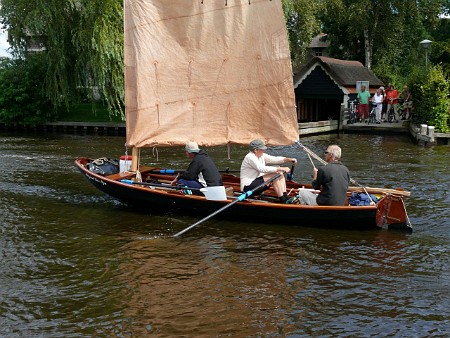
377	100
255	170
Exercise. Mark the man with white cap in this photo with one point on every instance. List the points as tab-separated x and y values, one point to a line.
201	172
255	171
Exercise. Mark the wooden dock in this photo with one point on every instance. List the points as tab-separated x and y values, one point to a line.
320	127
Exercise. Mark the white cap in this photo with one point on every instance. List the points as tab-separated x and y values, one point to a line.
192	147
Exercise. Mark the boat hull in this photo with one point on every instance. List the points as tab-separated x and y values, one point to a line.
154	200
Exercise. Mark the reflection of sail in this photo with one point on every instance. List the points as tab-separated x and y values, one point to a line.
206	288
212	71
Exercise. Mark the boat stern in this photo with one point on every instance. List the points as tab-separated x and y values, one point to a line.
391	213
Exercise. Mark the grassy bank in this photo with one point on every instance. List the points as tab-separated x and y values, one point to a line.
86	112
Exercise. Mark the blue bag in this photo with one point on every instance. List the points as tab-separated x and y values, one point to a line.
360	198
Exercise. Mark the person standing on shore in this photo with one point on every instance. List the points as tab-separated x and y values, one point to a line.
392	101
407	103
363	97
377	100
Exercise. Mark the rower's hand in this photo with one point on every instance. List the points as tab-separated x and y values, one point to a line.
315	170
175	180
290	159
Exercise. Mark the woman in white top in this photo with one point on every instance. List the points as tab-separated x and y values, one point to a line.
255	171
377	100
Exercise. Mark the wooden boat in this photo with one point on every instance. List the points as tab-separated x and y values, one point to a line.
218	73
389	212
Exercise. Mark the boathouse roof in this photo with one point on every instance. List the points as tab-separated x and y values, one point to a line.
344	73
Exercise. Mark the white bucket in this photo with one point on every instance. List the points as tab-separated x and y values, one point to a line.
214	193
125	163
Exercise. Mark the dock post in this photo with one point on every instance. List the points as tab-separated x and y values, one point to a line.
431	133
423	129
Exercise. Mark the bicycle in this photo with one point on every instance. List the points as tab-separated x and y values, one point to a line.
390	115
400	110
372	115
353	112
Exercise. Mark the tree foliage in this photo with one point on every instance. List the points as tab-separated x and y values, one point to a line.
383	34
303	24
84	39
84	45
22	99
430	95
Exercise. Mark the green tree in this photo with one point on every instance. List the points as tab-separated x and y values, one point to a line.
431	102
382	34
303	24
83	41
440	48
22	99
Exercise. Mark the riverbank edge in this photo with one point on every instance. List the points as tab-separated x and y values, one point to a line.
422	134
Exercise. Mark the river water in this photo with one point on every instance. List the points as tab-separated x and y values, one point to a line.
76	263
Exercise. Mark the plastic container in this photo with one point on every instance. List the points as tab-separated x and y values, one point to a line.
214	193
125	163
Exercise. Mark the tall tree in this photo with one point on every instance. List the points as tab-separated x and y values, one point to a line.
83	41
303	24
380	33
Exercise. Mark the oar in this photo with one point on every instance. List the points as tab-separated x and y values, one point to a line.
238	199
310	152
158	185
290	175
309	156
166	171
227	170
175	171
214	193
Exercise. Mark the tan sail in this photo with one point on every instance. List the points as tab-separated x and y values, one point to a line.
212	71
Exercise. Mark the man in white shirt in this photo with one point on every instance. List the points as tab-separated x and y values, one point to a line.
255	171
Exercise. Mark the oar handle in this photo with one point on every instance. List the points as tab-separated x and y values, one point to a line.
290	175
166	171
239	199
176	171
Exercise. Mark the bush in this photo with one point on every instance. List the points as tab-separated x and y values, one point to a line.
22	97
430	94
